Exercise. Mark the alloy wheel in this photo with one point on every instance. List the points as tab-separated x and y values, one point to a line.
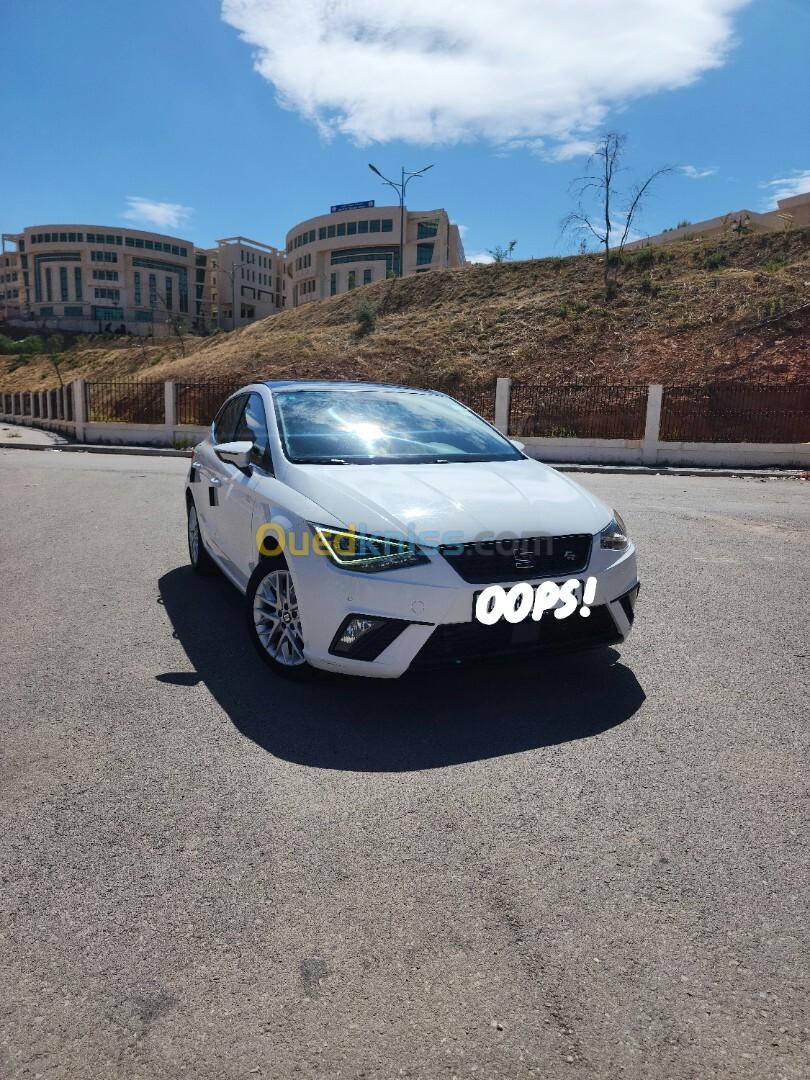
193	535
275	615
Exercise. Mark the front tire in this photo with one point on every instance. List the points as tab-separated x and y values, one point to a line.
274	623
201	561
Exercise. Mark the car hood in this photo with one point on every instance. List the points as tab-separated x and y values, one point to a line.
453	502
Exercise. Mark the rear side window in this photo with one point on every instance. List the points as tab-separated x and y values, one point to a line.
227	419
252	427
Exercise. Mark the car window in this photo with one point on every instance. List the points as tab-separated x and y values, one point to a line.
252	427
227	419
384	426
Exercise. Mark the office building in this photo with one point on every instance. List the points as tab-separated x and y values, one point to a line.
357	244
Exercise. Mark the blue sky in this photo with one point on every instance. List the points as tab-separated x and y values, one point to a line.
162	102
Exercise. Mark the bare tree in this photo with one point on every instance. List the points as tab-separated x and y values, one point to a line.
175	320
603	210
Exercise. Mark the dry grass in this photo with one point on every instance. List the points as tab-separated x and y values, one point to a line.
704	310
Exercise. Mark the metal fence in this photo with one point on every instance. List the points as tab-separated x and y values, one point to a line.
736	412
127	401
578	411
198	402
480	397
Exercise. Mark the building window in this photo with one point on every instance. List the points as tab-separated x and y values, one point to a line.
352	278
46	311
322	233
169	297
367	277
108	294
63	284
144	316
137	288
330	230
332	284
108	314
74	311
77	282
387	224
152	291
341	229
424	254
389	255
104	256
362	226
105	275
351	228
374	226
48	285
425	229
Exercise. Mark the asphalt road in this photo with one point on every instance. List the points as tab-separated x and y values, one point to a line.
593	867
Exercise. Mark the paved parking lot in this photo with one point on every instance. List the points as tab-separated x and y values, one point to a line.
590	867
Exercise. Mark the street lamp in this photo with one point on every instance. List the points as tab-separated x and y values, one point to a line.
399	188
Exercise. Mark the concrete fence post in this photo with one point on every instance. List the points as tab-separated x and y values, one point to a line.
79	407
503	400
47	398
652	424
169	408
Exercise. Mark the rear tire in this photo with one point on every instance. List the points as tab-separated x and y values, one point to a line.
273	621
201	561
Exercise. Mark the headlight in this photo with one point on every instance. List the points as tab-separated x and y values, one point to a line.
614	535
368	554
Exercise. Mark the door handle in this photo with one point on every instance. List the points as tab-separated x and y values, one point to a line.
214	481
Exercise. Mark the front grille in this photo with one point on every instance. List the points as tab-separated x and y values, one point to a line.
454	642
520	560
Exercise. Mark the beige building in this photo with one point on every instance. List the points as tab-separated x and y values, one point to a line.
790	213
357	244
93	278
240	275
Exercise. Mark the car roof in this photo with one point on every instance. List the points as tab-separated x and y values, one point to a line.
337	384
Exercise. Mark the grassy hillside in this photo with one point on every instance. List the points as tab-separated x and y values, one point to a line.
696	311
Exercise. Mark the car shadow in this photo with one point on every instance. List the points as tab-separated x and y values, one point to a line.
421	721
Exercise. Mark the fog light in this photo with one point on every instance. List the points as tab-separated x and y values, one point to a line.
353	631
363	637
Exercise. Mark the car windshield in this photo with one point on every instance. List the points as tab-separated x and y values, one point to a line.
363	427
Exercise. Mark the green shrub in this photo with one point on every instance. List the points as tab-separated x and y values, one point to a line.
643	259
648	287
772	265
366	315
713	259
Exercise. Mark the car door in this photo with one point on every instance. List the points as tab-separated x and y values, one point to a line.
209	471
237	493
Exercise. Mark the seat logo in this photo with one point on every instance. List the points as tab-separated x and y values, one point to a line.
523	559
570	555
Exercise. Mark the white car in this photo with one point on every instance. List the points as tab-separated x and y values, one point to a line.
362	522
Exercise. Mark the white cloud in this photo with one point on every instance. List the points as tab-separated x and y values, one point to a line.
571	148
697	174
430	72
463	230
785	187
162	215
480	257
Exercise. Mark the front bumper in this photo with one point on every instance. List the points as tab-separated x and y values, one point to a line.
436	606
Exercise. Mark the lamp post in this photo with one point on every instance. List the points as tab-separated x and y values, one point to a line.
399	188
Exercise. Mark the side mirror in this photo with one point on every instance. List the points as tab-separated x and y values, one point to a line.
516	442
235	453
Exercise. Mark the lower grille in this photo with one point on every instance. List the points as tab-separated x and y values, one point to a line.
455	642
520	560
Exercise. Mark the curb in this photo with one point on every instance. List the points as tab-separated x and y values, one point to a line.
94	448
684	470
621	470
